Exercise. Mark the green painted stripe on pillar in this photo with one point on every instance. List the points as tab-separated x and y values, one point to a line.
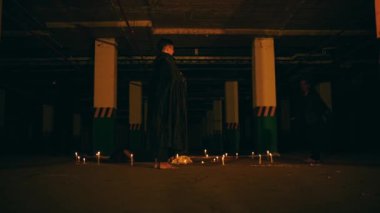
104	135
266	134
232	140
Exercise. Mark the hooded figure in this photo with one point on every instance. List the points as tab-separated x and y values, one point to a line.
167	111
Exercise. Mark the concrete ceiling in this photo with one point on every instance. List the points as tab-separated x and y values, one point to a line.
52	41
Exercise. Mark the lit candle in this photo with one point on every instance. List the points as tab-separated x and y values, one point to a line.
253	155
76	155
206	155
271	157
237	155
84	160
259	158
98	157
177	156
185	161
226	154
78	159
205	151
214	160
217	158
203	162
131	159
268	152
223	160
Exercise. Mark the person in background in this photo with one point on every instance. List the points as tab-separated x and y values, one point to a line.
311	115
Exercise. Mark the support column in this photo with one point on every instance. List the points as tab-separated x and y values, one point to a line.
232	133
135	116
209	128
105	95
2	109
77	130
217	138
324	90
2	120
264	94
47	127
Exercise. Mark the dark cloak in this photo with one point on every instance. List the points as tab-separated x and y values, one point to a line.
167	110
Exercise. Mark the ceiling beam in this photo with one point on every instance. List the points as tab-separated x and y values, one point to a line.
256	32
98	24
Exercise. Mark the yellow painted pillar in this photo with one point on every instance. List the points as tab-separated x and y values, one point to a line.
264	94
105	95
324	90
135	116
217	138
232	133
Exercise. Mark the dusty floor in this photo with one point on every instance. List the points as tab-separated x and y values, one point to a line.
61	185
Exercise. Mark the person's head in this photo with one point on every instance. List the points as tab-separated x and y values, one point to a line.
166	46
305	86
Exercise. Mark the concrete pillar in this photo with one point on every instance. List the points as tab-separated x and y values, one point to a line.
264	94
209	129
232	133
2	120
145	124
105	95
135	116
47	119
77	125
217	138
77	130
324	90
2	109
47	127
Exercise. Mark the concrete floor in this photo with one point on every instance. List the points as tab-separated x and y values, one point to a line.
61	185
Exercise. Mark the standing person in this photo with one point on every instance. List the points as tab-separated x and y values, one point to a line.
311	115
167	111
